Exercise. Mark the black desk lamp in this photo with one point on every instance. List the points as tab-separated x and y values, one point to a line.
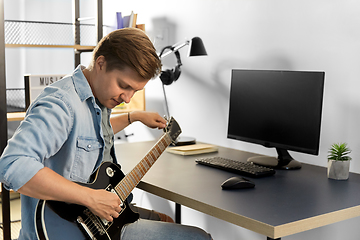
169	76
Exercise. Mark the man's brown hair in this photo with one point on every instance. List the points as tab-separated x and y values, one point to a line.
129	47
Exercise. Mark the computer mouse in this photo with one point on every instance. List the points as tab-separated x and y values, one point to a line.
237	183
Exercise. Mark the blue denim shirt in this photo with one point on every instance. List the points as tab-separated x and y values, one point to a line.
62	131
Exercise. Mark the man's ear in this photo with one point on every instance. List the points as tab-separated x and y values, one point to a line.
100	62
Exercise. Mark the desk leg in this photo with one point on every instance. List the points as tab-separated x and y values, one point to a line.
177	213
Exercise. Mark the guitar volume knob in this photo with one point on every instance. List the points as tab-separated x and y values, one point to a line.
110	172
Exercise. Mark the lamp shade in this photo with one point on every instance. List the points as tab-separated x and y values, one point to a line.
197	47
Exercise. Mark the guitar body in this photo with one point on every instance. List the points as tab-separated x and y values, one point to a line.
58	220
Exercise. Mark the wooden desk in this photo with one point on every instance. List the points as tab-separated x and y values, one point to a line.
284	204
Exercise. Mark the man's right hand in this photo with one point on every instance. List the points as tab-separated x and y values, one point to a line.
104	204
48	185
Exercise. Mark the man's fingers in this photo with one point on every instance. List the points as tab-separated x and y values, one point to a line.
118	209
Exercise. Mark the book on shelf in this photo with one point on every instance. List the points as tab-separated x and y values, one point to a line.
131	19
127	20
141	26
119	20
193	149
133	22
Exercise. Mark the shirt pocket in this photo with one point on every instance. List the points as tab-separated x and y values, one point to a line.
88	151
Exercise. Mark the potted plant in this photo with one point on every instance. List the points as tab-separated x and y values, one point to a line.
339	161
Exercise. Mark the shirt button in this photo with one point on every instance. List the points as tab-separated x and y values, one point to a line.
89	146
97	113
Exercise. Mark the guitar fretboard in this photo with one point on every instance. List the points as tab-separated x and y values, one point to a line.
132	179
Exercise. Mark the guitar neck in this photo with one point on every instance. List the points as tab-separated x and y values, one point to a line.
132	179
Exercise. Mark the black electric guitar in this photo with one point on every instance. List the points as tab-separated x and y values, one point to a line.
56	220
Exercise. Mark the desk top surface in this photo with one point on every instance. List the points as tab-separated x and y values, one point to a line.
290	201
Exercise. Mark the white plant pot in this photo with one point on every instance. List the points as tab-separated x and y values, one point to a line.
338	170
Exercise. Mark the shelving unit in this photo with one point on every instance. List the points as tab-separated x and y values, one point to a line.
36	34
25	34
30	34
5	194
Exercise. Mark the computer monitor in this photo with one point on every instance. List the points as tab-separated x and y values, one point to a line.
280	109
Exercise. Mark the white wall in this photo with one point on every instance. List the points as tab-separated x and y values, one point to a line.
279	34
258	34
294	35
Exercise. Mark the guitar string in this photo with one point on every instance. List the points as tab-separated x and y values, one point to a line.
90	225
125	184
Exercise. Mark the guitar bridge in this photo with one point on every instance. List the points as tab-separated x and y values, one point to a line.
92	225
85	227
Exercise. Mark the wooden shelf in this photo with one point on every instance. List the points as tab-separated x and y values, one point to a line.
19	116
137	103
15	116
76	47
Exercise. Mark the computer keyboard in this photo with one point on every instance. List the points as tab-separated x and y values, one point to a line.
242	168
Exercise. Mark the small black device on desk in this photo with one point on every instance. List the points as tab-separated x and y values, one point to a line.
242	168
237	183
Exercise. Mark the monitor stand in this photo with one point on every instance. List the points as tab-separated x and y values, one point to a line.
284	161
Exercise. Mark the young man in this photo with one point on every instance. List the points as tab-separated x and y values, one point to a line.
67	133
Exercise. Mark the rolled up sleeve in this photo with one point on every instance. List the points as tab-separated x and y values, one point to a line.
19	171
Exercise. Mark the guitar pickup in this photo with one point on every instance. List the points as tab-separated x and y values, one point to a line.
110	188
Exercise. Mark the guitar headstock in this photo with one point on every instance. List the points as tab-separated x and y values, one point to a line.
173	129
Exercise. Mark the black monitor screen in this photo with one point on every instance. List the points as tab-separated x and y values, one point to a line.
280	109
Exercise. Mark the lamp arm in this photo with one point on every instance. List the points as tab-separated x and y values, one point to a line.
175	48
166	102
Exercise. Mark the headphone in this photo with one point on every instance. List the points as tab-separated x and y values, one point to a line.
170	75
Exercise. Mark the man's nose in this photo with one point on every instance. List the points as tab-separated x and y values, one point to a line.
126	97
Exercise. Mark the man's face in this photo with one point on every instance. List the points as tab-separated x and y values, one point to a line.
116	86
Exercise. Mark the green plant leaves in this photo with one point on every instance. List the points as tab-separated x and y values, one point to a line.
339	152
